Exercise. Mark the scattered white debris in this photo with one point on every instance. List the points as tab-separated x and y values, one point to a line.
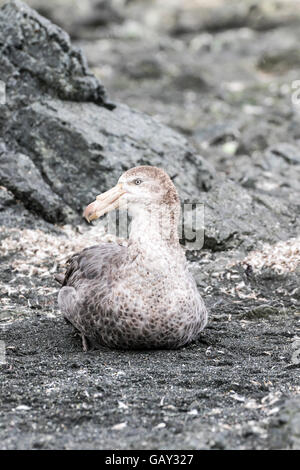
273	411
120	373
161	403
39	254
122	406
282	257
236	396
252	404
22	408
119	426
160	426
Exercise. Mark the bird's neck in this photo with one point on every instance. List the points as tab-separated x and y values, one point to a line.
155	229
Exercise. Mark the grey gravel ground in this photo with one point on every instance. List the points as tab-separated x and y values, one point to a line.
222	392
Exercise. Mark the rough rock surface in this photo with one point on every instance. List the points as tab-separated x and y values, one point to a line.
286	426
37	197
82	149
79	148
37	59
222	77
235	217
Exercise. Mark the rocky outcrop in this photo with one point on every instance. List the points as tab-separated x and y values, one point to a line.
37	60
236	217
75	142
59	127
34	195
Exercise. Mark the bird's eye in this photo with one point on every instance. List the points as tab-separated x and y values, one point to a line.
138	181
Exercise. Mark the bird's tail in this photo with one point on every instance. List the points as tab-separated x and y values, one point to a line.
59	278
67	302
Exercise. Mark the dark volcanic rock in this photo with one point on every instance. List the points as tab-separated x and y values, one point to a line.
23	179
37	59
285	429
13	212
279	62
232	15
77	149
235	217
82	149
289	152
144	68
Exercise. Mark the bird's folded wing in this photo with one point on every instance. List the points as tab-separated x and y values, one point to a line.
92	262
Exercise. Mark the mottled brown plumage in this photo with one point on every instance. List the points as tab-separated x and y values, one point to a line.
141	295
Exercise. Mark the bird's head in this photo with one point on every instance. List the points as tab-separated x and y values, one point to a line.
139	189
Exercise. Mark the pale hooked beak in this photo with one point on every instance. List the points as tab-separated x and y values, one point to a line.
104	203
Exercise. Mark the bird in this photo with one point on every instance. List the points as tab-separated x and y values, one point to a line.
140	295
